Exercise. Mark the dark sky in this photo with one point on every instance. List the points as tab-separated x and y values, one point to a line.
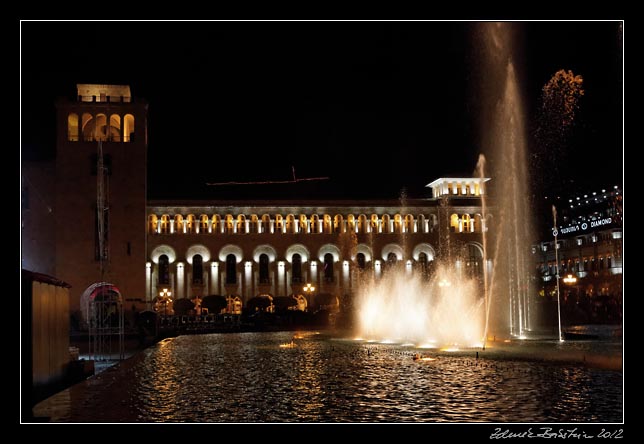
381	105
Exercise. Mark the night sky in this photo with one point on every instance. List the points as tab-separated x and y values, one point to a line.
377	107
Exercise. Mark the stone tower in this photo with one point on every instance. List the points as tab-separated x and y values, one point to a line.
107	115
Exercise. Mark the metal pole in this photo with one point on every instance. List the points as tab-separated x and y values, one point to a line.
556	232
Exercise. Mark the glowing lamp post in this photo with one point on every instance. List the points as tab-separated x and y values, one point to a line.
444	283
555	232
308	290
570	279
165	297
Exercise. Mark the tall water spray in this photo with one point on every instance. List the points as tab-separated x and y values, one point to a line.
504	142
450	308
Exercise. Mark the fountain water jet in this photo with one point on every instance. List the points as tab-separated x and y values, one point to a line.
401	307
444	310
504	141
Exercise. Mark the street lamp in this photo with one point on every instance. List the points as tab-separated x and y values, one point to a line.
555	232
570	279
308	289
164	296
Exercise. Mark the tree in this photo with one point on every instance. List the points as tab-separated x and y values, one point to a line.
556	119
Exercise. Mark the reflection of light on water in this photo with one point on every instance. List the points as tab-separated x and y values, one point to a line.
407	344
419	357
387	341
450	349
477	345
358	339
178	384
523	337
371	340
288	345
426	345
507	340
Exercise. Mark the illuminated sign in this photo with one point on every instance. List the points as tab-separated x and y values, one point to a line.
583	226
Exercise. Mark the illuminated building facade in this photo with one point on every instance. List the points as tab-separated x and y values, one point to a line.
589	251
229	248
279	248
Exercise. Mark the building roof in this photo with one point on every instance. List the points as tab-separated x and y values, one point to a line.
44	278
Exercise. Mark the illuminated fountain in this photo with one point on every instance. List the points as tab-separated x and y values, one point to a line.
504	141
449	308
445	310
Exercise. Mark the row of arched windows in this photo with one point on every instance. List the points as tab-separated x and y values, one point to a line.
231	268
292	224
89	127
264	274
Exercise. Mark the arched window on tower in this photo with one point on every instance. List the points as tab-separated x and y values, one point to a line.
263	269
328	267
296	268
87	127
128	128
100	127
164	270
72	127
231	269
114	130
197	269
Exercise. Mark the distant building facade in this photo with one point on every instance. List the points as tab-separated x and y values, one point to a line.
229	248
589	249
